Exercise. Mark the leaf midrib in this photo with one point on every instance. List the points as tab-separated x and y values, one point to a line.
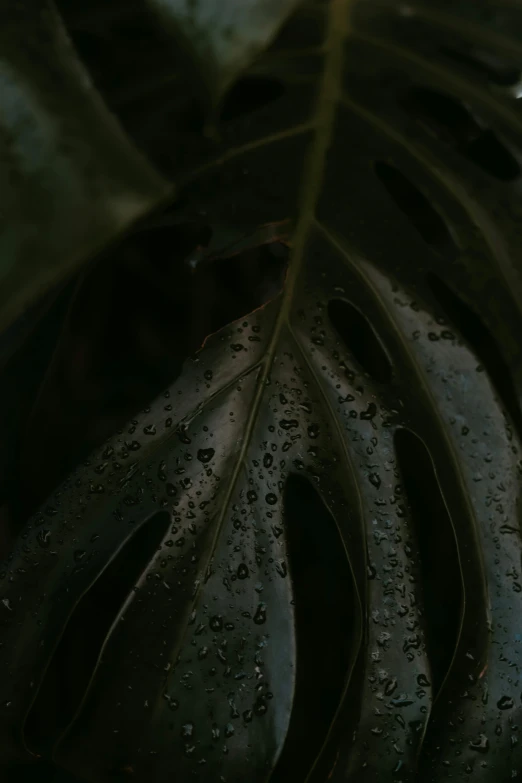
328	97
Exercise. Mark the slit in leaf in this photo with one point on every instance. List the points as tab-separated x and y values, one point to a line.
417	207
360	339
325	601
75	657
249	95
440	575
450	121
485	65
483	343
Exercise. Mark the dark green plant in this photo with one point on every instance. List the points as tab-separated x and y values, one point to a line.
302	560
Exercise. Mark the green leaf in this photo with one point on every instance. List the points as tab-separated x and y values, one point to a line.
71	180
224	37
303	561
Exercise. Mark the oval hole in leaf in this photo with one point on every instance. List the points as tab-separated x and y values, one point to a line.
486	66
442	592
75	657
325	601
453	123
483	343
417	207
249	95
360	339
493	157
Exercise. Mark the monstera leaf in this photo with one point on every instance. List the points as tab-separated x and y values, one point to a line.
224	38
71	180
302	561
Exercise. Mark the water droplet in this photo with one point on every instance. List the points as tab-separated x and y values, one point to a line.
271	499
260	707
402	701
288	424
375	479
229	730
242	571
251	496
480	744
80	555
268	460
505	703
205	455
281	568
313	431
216	622
260	615
208	375
44	537
391	686
423	681
369	413
182	435
187	731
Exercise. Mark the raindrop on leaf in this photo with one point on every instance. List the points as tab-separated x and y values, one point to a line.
205	455
260	615
216	622
480	744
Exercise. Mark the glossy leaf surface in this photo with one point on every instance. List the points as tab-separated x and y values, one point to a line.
361	431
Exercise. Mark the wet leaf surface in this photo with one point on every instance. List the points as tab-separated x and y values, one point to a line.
357	437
